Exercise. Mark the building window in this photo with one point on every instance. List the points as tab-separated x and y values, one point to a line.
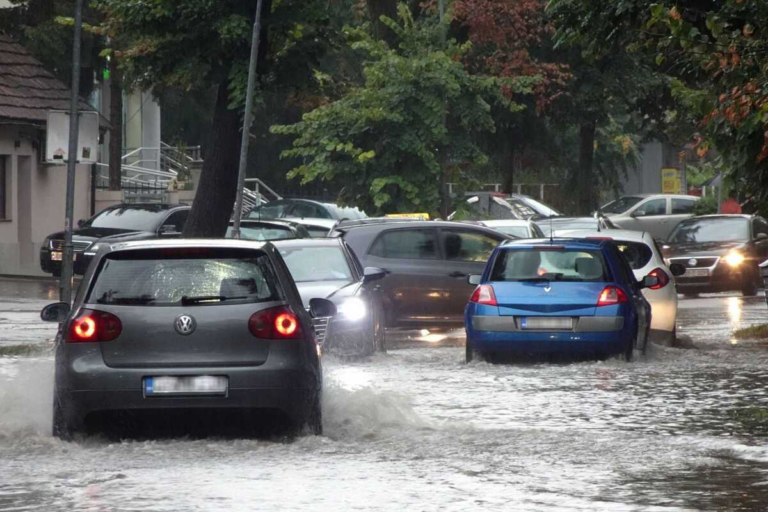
4	172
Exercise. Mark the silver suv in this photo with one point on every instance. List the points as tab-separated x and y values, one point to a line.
657	214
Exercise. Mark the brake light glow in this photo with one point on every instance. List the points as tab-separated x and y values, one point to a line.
92	326
661	276
275	323
484	295
611	296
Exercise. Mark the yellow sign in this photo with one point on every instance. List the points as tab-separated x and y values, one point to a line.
670	181
421	216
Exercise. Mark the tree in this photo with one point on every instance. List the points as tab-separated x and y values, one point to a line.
383	139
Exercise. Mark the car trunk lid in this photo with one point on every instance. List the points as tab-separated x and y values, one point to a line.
547	298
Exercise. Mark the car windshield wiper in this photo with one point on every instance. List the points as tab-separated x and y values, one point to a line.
188	301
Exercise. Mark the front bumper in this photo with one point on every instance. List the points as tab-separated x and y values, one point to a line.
349	338
80	265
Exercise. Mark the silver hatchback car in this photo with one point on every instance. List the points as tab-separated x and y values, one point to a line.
179	325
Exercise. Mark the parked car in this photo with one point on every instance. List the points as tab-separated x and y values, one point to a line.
186	324
557	225
528	207
557	297
657	214
269	229
764	275
317	228
644	257
720	253
427	264
518	228
119	223
328	269
304	209
497	205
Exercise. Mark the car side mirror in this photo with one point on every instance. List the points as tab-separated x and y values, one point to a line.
637	213
761	236
474	279
319	308
677	269
56	312
649	282
373	274
80	223
168	229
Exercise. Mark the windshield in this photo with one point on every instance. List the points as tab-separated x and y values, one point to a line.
312	264
547	227
621	205
518	231
541	208
132	219
530	265
710	230
164	278
263	232
274	210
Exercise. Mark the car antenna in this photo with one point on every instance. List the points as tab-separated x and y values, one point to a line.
551	230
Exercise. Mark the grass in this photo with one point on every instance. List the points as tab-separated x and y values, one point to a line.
755	332
26	350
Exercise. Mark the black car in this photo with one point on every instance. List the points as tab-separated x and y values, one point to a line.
555	225
427	264
720	253
303	208
328	269
119	223
269	229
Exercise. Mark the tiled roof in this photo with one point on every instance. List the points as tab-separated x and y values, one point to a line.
27	89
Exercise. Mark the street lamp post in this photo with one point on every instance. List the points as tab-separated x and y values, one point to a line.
247	119
65	287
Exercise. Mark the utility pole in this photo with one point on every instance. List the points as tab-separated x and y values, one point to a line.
445	197
247	119
65	288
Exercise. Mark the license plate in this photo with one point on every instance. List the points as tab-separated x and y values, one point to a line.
696	272
186	385
547	323
57	256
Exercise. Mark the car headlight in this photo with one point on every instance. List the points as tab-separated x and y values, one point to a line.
734	258
352	309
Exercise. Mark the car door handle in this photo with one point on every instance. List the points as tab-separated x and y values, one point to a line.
457	274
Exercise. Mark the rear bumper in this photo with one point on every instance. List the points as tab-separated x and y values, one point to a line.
50	267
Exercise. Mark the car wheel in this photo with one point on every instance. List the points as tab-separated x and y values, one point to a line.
314	421
749	288
378	337
629	350
62	427
469	354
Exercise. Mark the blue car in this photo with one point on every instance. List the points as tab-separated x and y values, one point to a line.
562	296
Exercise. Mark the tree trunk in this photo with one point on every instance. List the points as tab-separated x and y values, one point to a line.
40	11
116	125
215	197
377	9
585	182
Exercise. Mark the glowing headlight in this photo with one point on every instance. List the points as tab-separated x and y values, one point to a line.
734	258
352	309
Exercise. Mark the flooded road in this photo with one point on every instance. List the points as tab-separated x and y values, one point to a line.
417	429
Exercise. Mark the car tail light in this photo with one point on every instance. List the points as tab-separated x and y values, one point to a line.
661	276
611	296
278	323
484	295
92	326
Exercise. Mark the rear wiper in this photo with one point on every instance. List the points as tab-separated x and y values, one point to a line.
187	301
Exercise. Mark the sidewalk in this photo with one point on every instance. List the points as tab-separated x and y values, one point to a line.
20	303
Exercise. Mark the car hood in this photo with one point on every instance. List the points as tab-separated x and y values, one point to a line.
333	290
92	234
701	249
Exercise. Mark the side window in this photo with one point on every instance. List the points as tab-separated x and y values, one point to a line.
624	269
407	244
177	219
309	210
468	246
683	206
654	207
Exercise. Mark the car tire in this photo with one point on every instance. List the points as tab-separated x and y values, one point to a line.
378	337
62	428
313	423
629	350
749	288
469	354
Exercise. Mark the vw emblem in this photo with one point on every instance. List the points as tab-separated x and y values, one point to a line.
185	325
692	262
547	289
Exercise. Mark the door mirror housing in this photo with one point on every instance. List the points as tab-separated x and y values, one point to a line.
321	308
637	213
677	269
168	230
56	312
80	223
474	279
649	282
373	274
761	236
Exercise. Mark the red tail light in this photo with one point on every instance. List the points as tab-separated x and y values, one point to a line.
484	295
662	277
611	296
278	323
92	326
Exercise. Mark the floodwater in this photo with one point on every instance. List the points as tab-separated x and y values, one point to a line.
417	429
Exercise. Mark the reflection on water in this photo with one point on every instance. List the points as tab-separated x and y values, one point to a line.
734	311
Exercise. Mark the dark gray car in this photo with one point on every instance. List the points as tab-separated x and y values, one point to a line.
426	265
186	325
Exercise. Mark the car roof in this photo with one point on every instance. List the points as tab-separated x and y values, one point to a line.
623	235
570	243
308	242
506	222
244	222
217	243
311	221
351	225
645	196
146	206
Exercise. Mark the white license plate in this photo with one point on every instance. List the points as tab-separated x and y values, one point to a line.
547	323
696	272
57	256
186	385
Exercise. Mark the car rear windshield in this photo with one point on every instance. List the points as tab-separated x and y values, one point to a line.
172	277
546	264
621	205
263	232
133	218
637	254
710	230
312	264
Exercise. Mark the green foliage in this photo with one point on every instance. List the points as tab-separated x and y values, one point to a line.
384	140
706	205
